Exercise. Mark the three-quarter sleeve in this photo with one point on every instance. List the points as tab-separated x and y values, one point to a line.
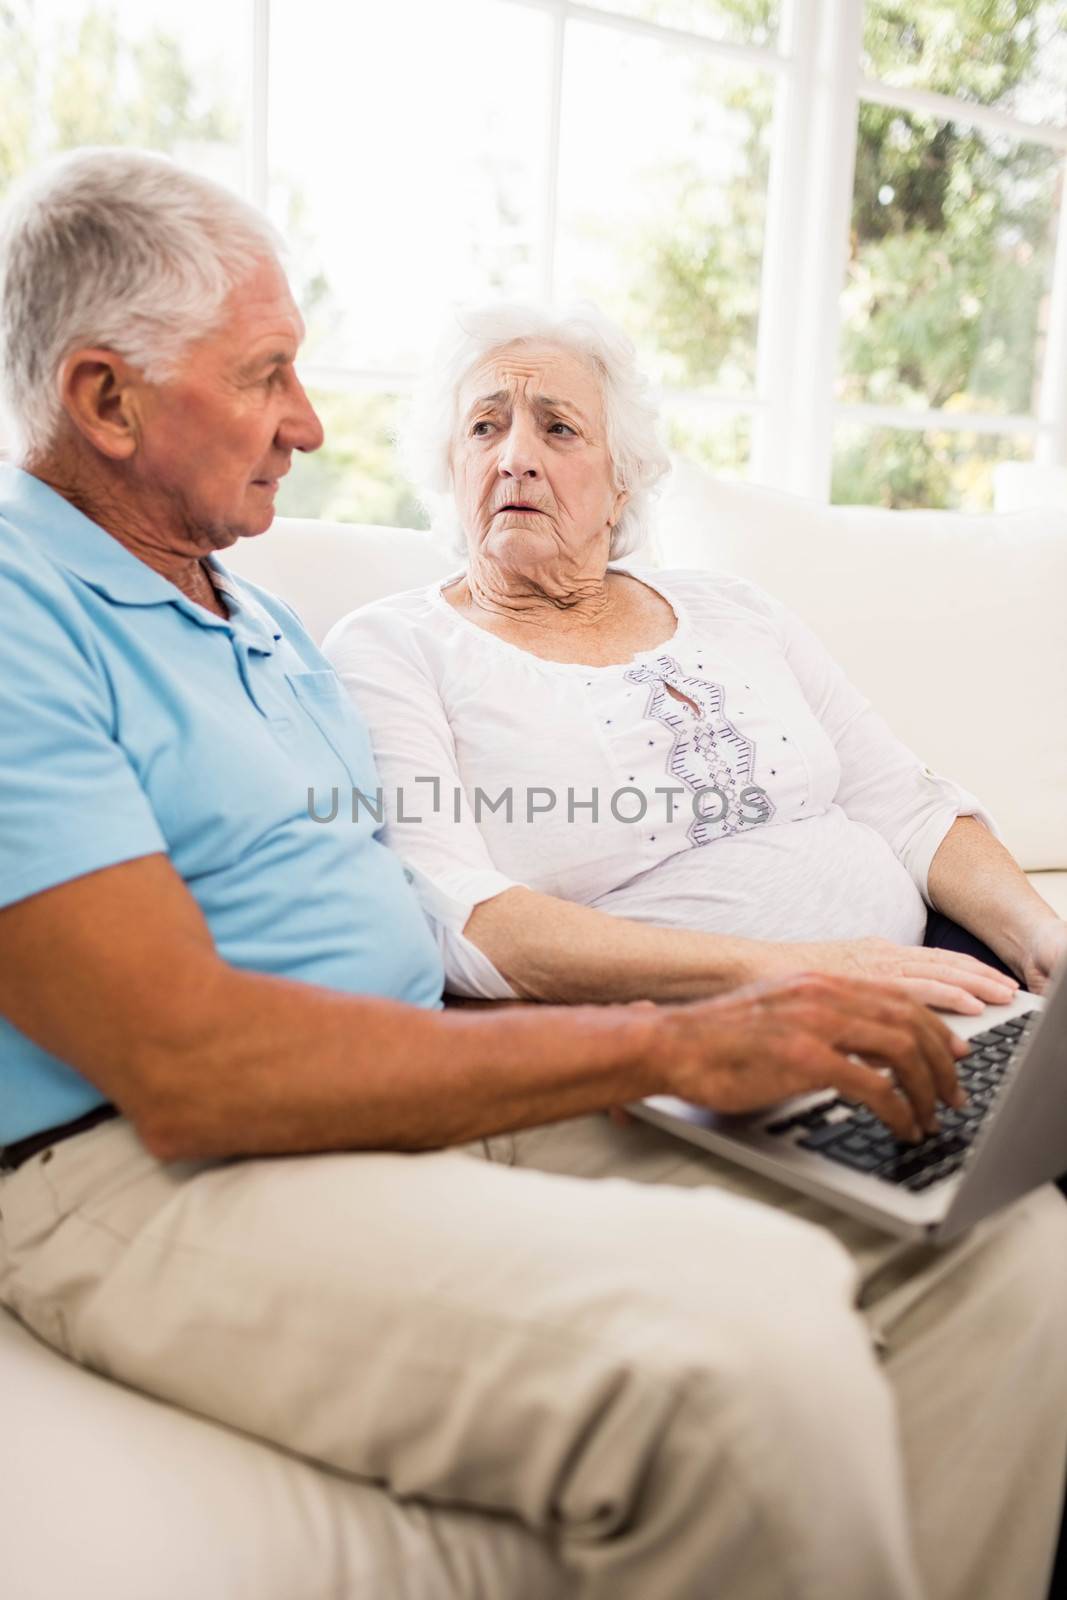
379	659
883	783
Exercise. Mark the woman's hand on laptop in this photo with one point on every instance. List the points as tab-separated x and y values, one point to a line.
763	1044
943	978
1045	948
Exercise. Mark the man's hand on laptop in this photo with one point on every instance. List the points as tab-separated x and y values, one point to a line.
762	1044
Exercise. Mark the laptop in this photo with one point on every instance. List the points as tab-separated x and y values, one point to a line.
1010	1138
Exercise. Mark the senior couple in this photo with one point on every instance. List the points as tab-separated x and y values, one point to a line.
230	1100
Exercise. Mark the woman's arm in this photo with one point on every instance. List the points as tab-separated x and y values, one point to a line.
958	864
883	783
550	949
978	883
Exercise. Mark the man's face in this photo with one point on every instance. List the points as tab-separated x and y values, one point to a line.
531	472
215	439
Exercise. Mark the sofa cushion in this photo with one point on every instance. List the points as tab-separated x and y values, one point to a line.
951	624
107	1495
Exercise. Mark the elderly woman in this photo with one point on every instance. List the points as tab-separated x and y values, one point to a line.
610	782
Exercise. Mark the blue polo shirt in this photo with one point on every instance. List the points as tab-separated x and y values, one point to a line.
133	721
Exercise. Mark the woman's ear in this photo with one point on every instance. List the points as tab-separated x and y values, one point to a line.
98	392
617	507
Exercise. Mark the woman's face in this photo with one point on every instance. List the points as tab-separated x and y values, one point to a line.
530	469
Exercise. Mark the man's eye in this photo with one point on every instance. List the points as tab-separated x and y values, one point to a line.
480	430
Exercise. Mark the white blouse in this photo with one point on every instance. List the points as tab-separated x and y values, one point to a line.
730	780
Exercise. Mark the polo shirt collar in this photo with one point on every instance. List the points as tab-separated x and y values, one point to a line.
76	542
251	621
80	545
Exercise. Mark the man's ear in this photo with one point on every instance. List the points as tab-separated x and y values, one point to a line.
98	392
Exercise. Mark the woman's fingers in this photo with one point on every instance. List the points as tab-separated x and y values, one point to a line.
967	983
964	972
944	996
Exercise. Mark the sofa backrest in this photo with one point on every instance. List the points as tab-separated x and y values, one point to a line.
326	569
954	625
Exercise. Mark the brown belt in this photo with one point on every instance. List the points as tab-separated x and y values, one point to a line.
13	1155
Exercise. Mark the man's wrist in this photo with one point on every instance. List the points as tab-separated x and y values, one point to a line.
669	1061
647	1047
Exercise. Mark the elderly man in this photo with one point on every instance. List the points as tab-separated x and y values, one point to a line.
647	1388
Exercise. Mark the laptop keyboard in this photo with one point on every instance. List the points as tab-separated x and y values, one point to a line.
851	1133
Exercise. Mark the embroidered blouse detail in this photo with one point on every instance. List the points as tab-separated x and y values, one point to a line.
708	756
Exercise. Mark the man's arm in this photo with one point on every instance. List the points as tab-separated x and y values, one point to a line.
116	973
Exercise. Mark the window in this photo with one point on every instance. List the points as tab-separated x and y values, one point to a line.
944	361
835	228
129	72
516	149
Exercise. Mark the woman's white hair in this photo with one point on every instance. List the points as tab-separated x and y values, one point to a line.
115	248
630	419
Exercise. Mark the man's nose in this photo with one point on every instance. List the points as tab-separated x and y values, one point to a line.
300	428
518	452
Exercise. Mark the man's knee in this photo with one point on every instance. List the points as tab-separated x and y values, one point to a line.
781	1397
755	1310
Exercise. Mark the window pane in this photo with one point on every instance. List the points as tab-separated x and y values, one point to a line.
911	471
356	475
407	165
953	235
722	444
737	21
133	72
662	215
1006	53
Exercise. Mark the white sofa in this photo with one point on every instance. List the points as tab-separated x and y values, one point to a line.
954	625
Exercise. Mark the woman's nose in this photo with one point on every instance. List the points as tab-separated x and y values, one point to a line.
518	454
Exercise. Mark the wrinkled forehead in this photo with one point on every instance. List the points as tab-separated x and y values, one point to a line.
258	311
533	373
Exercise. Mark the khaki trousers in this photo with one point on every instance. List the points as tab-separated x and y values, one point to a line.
667	1379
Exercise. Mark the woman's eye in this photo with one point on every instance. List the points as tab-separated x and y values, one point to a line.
480	430
563	429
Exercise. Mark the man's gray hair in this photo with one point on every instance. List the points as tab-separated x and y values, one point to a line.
630	419
115	248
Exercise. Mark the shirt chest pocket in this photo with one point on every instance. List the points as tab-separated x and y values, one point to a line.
323	703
